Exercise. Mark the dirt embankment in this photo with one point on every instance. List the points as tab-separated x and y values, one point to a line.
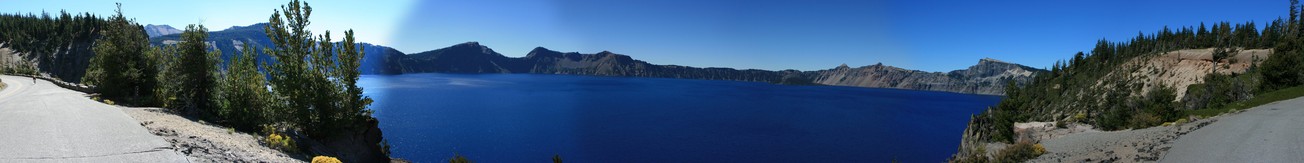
1180	68
203	142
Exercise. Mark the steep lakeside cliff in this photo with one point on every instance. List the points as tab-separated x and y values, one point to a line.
989	76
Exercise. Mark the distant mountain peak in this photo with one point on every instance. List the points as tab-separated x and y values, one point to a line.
160	30
539	49
985	59
258	26
160	25
469	43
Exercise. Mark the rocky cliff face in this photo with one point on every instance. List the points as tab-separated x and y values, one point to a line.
989	76
160	30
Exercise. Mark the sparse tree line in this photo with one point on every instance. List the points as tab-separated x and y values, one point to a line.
1081	89
309	90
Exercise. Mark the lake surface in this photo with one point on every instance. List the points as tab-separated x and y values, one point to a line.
530	118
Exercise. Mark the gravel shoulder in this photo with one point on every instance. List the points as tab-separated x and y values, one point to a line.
202	142
1139	145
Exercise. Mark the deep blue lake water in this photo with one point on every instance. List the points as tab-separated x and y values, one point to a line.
530	118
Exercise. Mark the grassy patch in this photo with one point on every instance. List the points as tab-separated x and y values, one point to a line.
1265	98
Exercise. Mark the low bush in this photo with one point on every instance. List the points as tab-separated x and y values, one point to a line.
1144	120
976	157
1080	116
1019	152
1180	121
278	141
325	159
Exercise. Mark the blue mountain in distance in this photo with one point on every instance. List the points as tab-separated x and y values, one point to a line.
989	76
160	30
378	59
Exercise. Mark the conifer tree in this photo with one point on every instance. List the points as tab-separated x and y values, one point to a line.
316	82
197	68
120	69
242	101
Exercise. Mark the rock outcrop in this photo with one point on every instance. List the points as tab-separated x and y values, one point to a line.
362	144
160	30
989	76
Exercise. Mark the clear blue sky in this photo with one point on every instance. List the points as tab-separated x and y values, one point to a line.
939	35
373	21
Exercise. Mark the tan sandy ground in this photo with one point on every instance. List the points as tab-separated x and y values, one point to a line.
203	142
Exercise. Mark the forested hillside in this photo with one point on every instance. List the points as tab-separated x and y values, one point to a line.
1137	83
58	45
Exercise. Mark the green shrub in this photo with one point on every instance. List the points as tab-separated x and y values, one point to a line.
282	142
1144	120
1019	152
972	158
1079	117
1282	70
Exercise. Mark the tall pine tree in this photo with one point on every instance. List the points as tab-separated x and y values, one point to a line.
120	68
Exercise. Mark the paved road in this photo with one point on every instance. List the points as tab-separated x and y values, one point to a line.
40	122
1268	133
